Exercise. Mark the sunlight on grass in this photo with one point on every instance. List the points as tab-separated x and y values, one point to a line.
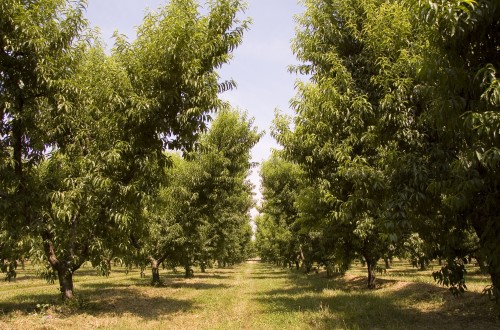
249	296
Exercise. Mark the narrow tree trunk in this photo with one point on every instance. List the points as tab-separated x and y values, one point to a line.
203	267
423	265
387	263
155	272
17	132
297	265
108	264
329	270
189	271
495	280
370	264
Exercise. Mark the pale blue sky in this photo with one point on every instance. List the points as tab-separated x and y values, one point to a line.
259	66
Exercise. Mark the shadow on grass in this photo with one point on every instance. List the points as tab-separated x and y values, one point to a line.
347	303
99	301
172	282
134	297
29	303
267	277
135	301
196	286
211	276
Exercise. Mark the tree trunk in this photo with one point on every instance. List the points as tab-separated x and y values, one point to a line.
482	264
370	264
203	267
329	270
189	271
387	263
297	265
423	264
308	266
108	264
17	132
64	275
155	272
495	280
65	283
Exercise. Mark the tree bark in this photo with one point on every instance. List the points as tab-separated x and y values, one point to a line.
155	270
63	267
308	267
203	267
387	263
423	264
371	264
329	270
188	271
495	280
65	276
155	273
17	147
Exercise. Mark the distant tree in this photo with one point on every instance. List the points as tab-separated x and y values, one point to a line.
202	212
281	181
224	155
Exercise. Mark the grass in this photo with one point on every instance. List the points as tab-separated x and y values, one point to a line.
249	296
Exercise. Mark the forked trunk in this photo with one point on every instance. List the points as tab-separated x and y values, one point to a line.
63	267
155	270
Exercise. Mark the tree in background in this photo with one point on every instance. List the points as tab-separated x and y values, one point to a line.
202	212
281	181
224	155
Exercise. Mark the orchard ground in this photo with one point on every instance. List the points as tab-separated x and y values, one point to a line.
249	296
